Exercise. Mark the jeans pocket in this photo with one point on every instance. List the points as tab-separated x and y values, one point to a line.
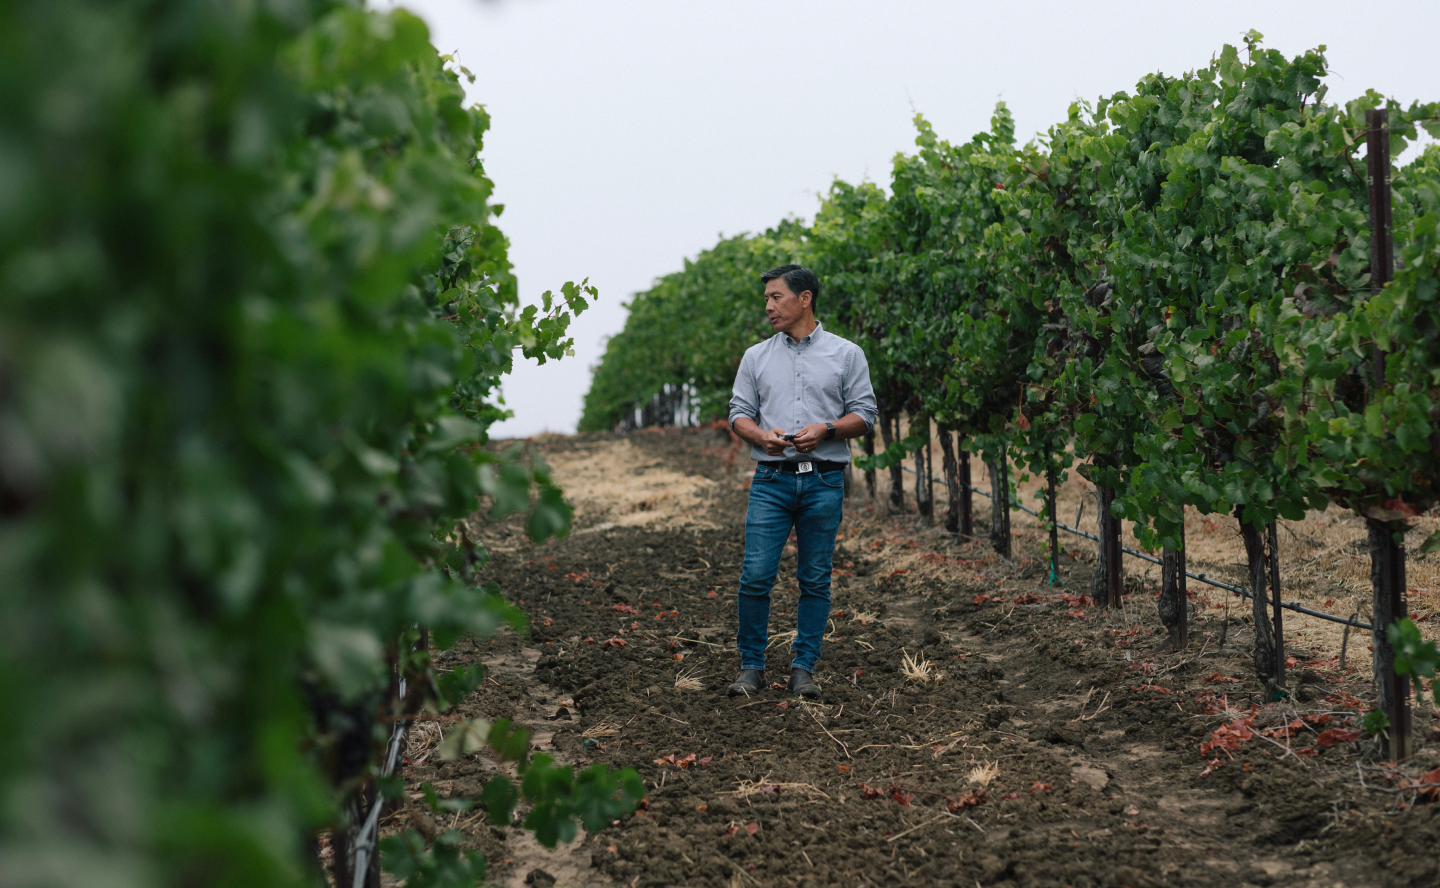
833	479
764	473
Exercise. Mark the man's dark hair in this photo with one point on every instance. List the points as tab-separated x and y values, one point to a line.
799	279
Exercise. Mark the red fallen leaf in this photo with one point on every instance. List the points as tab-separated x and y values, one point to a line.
1156	688
686	762
1028	598
1329	602
981	599
1329	738
576	577
896	573
1010	796
625	609
711	594
1037	786
611	849
701	807
588	641
1286	730
901	798
1306	751
783	704
752	828
615	643
1227	737
1289	662
706	760
1217	677
969	800
546	621
775	685
844	768
1210	766
869	791
665	760
727	833
677	657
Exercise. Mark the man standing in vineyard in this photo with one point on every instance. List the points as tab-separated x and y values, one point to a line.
817	384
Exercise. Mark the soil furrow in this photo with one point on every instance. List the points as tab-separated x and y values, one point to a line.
977	727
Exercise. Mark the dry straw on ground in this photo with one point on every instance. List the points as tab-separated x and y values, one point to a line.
612	484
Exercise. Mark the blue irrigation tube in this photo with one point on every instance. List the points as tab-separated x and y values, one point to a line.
1238	590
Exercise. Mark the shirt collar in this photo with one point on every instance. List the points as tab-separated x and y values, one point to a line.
807	340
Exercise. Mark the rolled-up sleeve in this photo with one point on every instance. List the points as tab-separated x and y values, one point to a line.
745	398
858	393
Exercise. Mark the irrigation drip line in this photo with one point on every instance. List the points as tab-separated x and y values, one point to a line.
1238	590
365	840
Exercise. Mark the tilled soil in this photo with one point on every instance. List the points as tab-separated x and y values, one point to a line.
978	726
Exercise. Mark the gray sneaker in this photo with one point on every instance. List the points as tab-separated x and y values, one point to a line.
803	684
750	683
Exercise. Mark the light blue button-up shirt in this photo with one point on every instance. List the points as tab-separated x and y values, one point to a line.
784	384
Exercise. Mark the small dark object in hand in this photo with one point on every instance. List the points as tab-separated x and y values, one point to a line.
787	437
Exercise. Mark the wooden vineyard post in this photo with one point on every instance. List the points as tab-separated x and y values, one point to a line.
1174	602
867	443
1052	518
1387	557
1000	505
967	509
888	435
1109	583
924	487
1273	543
952	482
1256	558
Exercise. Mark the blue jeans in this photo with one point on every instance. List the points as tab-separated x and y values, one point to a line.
812	504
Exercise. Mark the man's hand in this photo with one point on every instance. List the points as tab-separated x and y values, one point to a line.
808	438
772	441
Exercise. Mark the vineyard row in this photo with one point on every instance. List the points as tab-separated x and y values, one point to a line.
1213	291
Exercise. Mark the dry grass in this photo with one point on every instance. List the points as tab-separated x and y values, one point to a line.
686	681
610	485
918	669
983	773
764	786
863	617
422	739
603	729
783	638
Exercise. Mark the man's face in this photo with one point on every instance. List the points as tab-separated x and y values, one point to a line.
783	307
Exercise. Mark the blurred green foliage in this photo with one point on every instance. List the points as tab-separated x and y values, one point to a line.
254	315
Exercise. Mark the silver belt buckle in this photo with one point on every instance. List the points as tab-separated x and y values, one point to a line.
803	467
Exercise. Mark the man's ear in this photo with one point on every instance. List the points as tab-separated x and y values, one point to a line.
807	300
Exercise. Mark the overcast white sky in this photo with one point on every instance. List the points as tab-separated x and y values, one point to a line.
629	135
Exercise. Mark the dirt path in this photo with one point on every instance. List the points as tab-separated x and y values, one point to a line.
1031	739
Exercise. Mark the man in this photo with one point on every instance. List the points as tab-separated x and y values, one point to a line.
799	396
